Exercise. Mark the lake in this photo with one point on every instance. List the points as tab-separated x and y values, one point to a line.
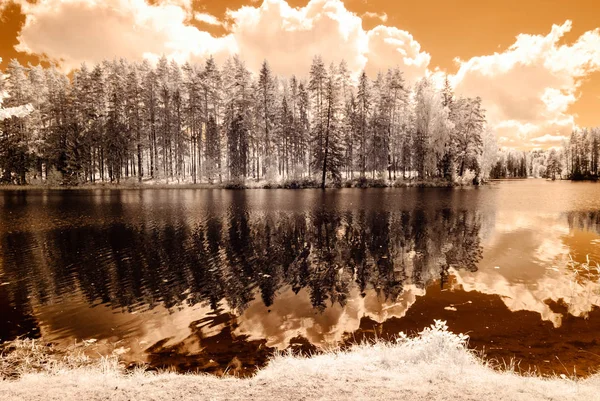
217	280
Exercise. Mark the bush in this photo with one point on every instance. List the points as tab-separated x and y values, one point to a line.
54	177
363	182
468	178
234	184
432	183
300	183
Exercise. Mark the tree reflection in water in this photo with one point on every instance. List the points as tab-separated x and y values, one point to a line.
226	276
229	259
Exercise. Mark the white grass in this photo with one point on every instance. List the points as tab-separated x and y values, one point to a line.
433	366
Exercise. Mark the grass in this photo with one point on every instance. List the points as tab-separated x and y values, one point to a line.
435	365
23	357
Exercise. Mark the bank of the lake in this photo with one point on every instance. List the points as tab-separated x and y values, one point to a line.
251	184
436	365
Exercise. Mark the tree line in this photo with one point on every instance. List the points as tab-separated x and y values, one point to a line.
576	159
581	154
205	123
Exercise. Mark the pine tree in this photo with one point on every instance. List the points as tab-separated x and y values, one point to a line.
421	133
150	101
14	143
470	122
62	147
447	165
79	157
397	98
326	151
193	115
164	91
178	138
38	140
116	140
349	129
285	128
237	143
135	113
363	98
378	144
213	150
266	108
303	126
210	88
98	114
317	86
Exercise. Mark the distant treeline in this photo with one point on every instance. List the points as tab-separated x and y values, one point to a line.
576	160
581	154
213	124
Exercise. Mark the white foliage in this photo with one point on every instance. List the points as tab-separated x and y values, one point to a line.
489	153
20	111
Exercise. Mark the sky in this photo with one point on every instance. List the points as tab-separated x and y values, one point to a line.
535	63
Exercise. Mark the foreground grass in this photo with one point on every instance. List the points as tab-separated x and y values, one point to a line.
436	365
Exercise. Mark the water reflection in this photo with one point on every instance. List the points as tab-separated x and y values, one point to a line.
216	280
235	257
536	260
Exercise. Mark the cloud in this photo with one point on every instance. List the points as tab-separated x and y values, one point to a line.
528	89
293	314
74	31
72	320
390	47
322	27
207	18
380	16
549	139
538	267
290	37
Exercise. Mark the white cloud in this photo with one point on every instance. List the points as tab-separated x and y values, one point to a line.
538	268
389	46
290	37
528	89
74	31
207	18
322	27
380	16
292	314
549	139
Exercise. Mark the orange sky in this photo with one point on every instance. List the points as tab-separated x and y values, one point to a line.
443	29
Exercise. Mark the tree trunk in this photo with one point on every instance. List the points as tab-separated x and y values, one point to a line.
326	150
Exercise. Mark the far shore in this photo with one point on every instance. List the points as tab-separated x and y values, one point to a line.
248	184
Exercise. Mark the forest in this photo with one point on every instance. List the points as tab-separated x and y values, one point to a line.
120	120
576	159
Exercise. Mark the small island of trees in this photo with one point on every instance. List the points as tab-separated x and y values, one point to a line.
576	159
119	120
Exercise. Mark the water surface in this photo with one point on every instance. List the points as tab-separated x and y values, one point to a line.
216	280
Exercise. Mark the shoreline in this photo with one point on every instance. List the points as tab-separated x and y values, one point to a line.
435	365
249	184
